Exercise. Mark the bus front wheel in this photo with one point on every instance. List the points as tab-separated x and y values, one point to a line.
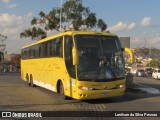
61	90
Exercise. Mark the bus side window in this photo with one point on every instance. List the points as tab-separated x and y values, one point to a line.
27	52
58	47
32	52
52	48
36	51
24	53
40	51
45	51
68	56
49	48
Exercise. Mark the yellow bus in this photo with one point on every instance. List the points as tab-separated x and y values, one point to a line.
77	64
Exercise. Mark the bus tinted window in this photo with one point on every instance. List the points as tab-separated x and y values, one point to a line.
51	48
45	52
32	52
27	53
58	47
46	49
36	51
23	53
40	51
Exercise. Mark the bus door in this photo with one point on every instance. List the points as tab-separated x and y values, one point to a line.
68	45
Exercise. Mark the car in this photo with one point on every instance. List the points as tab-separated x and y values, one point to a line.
156	74
140	73
148	72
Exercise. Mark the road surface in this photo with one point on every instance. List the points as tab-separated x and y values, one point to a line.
16	95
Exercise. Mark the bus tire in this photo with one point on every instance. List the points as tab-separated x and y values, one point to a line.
31	81
61	91
27	79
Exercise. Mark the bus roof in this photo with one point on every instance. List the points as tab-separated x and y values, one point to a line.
69	33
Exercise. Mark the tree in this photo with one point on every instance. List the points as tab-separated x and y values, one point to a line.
74	16
2	47
1	56
16	59
155	63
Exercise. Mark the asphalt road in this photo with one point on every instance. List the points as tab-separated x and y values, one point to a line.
148	81
16	95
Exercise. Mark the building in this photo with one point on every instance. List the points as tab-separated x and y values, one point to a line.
125	42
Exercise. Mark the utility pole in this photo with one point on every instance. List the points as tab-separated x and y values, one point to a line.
60	15
150	56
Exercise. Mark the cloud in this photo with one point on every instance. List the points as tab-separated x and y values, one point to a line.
6	1
10	20
11	6
118	27
11	26
131	26
146	21
122	26
145	39
140	36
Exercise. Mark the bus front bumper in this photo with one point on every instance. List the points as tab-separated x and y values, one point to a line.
97	94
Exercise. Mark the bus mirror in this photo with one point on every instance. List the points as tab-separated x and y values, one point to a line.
75	56
128	50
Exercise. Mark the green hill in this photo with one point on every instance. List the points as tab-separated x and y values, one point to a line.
147	53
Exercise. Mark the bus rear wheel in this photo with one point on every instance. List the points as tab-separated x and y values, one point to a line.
31	81
27	79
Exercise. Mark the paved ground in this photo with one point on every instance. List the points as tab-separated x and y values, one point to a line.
16	95
147	84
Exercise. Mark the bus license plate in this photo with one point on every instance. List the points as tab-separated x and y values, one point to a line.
105	94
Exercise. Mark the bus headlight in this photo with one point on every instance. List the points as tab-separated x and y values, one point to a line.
121	86
85	88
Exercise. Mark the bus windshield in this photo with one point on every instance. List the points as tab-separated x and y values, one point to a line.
100	58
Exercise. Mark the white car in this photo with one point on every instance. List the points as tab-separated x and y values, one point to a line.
156	74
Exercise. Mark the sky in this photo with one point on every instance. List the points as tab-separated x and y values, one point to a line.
137	19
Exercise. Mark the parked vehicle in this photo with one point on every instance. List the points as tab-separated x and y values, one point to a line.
140	73
148	72
156	74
